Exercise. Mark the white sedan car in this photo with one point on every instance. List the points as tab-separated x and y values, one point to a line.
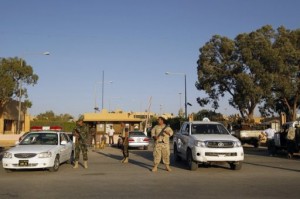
43	149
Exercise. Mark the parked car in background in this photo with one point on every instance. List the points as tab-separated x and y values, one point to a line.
137	139
40	149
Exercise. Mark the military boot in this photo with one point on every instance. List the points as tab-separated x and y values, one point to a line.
85	164
154	169
125	160
75	165
168	168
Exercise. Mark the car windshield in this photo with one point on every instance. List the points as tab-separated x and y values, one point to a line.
136	133
208	129
40	139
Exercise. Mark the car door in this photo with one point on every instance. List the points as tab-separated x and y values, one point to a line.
182	140
65	149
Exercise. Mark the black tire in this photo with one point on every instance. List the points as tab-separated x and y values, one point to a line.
177	158
192	165
235	165
55	165
9	170
256	144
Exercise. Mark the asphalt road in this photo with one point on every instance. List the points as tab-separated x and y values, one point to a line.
261	177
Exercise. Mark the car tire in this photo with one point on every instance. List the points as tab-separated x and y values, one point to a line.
177	158
55	165
192	165
9	170
235	165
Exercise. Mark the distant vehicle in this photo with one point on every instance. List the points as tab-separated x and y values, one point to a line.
41	149
280	138
137	139
205	142
249	134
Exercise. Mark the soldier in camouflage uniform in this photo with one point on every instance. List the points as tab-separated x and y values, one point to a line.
125	145
81	133
161	134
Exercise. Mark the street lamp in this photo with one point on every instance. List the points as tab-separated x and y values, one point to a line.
185	96
20	92
160	109
110	99
95	93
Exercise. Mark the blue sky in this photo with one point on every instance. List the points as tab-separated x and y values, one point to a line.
133	41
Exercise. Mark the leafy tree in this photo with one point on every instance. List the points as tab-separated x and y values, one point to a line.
285	95
50	116
15	72
211	115
248	69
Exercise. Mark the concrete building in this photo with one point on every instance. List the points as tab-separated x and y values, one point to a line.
9	115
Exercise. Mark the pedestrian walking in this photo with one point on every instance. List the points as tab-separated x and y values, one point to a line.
291	144
125	145
111	133
161	134
81	133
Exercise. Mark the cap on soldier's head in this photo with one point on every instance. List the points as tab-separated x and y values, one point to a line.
80	119
163	117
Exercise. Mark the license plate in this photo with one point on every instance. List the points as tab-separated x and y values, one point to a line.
23	163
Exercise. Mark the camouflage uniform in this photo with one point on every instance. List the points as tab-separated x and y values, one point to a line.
82	133
162	144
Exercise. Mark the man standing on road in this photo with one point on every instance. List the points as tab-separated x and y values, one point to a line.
161	134
269	132
111	133
81	133
125	145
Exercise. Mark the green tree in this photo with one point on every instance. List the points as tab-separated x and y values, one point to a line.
247	69
15	72
285	95
51	116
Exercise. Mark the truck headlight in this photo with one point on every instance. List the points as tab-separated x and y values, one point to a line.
7	155
199	143
45	155
237	144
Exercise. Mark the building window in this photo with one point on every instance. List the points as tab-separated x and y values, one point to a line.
8	125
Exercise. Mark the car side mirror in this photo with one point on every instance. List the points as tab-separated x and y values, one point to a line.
185	133
63	142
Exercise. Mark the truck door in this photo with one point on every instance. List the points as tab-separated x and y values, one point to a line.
184	138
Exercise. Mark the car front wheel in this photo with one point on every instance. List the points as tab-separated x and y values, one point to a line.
55	165
191	163
235	165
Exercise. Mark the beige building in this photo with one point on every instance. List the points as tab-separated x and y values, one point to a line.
9	119
104	119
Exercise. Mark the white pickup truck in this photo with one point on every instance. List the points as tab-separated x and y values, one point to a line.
207	142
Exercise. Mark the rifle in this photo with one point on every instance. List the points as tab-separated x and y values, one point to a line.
161	133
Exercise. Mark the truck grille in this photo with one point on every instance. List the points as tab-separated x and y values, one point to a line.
25	155
219	144
220	154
